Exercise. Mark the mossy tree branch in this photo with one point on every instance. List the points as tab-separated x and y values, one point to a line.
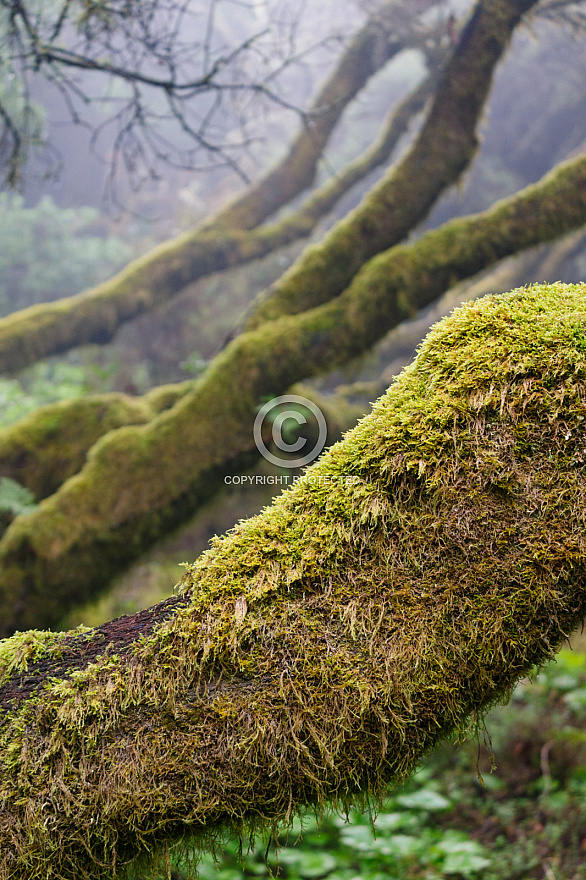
428	561
402	199
391	28
140	481
47	447
50	445
225	240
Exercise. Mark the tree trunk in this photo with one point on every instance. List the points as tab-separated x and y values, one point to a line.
140	481
425	564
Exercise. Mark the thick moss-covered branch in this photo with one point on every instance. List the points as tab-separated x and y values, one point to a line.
222	242
424	565
139	482
50	445
402	199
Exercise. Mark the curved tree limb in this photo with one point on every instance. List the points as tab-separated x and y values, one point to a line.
223	241
140	481
391	28
48	446
428	561
402	199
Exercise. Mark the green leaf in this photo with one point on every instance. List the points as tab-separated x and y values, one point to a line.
16	499
399	845
465	863
576	699
394	821
463	856
308	864
424	799
458	841
359	837
565	682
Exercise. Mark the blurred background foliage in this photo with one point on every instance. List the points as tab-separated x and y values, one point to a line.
47	252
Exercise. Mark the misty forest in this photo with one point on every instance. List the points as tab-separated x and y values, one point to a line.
292	439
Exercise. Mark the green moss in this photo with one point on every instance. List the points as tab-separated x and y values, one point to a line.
427	562
140	481
25	648
50	445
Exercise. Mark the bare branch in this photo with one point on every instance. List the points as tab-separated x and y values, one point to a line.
154	45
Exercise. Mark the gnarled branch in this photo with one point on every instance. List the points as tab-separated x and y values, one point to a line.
427	562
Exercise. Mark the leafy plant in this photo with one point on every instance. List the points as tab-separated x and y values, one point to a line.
14	498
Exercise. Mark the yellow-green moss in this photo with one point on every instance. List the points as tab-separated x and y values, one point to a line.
430	559
24	648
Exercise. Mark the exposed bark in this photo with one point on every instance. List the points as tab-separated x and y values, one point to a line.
222	242
140	481
429	561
